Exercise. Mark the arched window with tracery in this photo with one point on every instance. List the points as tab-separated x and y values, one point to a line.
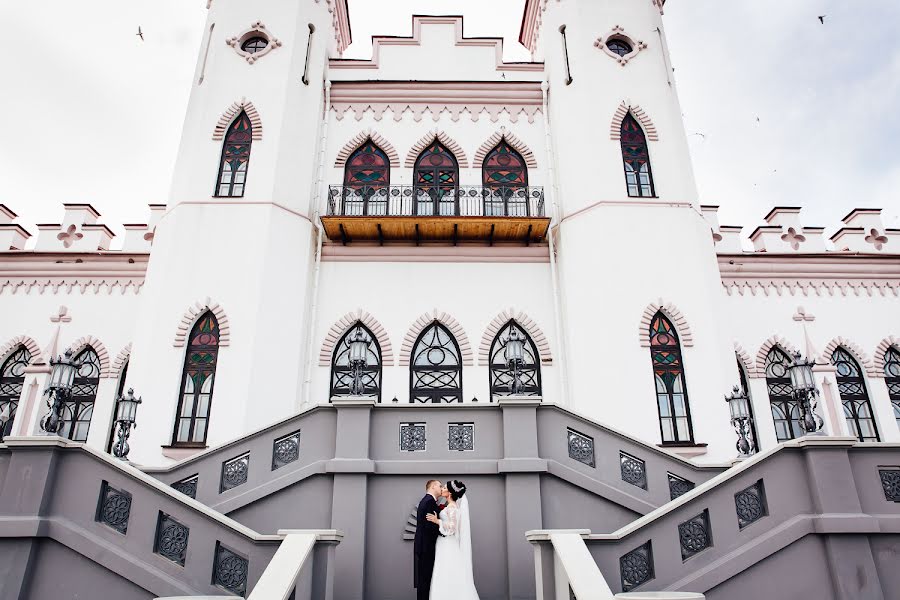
235	158
501	371
892	379
367	177
636	158
505	178
77	413
668	372
785	410
342	371
436	181
197	379
12	378
854	396
435	372
754	443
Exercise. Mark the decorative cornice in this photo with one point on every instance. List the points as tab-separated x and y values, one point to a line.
881	351
615	128
447	321
853	348
416	40
20	340
443	138
511	139
359	139
763	352
121	359
674	315
746	361
232	112
98	346
193	313
437	97
525	322
340	327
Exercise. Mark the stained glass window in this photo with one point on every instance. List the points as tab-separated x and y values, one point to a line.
785	410
120	391
235	158
854	396
12	378
192	420
505	178
342	374
754	441
636	157
77	413
435	372
892	379
367	177
501	374
436	181
668	371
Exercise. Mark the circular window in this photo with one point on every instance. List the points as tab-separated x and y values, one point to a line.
254	44
619	46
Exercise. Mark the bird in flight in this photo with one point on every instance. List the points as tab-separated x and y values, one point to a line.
822	19
140	33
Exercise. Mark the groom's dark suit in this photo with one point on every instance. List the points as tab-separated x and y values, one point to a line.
423	547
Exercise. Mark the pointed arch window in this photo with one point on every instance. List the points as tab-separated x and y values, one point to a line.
235	158
197	379
501	374
892	379
636	158
505	178
77	413
435	372
367	177
12	378
120	391
754	443
855	398
436	180
785	410
342	373
671	393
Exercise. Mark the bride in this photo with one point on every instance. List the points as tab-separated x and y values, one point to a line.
453	578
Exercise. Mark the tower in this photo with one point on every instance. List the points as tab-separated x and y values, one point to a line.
632	239
239	236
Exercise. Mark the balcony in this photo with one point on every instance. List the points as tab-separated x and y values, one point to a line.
401	213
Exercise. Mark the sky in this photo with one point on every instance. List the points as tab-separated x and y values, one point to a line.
780	109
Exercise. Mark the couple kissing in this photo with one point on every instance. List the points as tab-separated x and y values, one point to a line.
442	551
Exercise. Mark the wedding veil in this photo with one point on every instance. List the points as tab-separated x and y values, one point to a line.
464	533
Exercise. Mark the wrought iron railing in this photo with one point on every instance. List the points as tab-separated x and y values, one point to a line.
436	201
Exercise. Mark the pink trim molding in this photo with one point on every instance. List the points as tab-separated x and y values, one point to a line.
763	352
442	137
232	112
359	139
511	139
881	350
20	340
673	314
256	29
326	352
618	33
89	340
340	23
615	128
853	348
526	323
746	361
193	313
450	323
121	358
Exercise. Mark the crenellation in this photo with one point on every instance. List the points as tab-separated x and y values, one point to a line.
12	235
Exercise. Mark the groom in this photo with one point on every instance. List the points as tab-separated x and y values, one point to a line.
426	538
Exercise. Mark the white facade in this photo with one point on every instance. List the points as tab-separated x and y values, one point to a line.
283	291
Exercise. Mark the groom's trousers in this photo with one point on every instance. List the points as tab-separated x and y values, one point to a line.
423	568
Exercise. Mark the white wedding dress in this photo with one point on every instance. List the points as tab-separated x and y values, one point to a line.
453	578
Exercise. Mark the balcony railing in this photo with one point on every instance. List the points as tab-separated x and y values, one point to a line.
436	201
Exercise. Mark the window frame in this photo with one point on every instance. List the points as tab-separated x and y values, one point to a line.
627	162
78	404
212	370
857	400
356	193
19	356
435	395
227	141
341	347
436	202
497	370
502	195
892	379
785	403
677	369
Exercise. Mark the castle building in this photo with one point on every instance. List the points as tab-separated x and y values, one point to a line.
427	262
